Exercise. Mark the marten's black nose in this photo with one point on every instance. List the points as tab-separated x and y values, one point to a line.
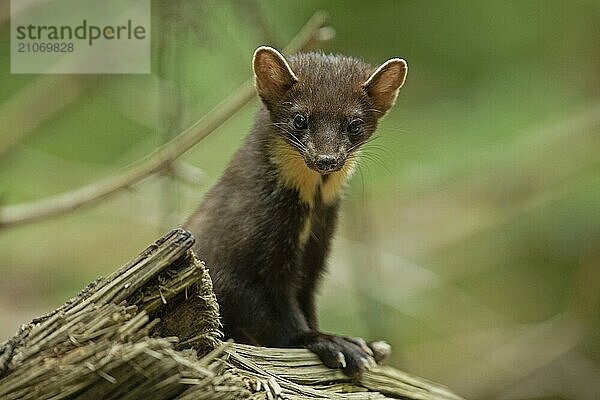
326	163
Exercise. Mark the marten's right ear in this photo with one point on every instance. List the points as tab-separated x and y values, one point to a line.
273	74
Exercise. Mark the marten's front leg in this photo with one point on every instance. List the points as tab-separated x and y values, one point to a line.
322	221
259	317
353	355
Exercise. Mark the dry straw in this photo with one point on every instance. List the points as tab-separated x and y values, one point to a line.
131	336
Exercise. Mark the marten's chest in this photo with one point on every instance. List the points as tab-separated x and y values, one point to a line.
318	200
315	196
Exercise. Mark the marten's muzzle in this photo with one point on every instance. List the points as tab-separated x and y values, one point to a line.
326	163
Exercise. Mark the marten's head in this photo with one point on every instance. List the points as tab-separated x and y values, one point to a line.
325	106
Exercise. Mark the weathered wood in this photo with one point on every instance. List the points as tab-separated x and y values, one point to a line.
116	340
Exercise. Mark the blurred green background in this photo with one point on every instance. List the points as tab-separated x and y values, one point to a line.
470	240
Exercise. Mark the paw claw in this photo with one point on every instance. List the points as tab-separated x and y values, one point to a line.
360	342
341	359
372	362
364	365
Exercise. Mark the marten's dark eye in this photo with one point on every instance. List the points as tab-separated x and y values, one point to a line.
300	122
354	127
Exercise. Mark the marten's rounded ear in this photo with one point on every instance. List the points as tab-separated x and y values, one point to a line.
273	73
383	85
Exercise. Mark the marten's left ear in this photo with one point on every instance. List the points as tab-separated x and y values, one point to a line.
273	73
383	85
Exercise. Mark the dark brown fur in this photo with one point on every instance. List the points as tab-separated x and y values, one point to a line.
265	228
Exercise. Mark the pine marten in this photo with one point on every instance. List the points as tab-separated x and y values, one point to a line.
265	228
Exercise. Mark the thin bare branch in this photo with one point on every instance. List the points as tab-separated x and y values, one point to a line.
187	172
160	158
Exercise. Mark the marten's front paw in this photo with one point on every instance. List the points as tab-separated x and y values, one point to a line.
353	355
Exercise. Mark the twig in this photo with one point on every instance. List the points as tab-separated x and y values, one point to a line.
163	156
187	172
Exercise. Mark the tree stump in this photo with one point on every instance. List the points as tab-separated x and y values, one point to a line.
151	331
